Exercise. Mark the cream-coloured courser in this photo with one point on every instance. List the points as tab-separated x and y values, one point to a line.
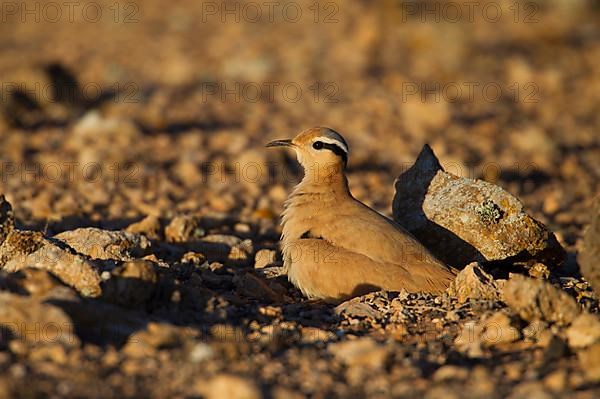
334	246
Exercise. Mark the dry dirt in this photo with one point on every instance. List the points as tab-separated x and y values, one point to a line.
150	117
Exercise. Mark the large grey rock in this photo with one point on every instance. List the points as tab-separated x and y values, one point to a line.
464	220
589	259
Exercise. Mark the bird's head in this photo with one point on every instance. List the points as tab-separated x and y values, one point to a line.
318	148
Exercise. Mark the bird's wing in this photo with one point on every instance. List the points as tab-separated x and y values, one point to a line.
322	270
360	229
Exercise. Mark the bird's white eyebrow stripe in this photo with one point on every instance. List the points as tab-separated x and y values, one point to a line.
334	142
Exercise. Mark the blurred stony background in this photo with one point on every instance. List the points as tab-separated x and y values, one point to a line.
149	119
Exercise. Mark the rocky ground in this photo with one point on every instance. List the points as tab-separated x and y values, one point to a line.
139	231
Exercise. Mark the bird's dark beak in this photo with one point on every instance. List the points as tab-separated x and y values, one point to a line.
280	143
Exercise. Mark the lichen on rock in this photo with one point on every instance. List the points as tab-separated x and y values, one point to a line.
467	220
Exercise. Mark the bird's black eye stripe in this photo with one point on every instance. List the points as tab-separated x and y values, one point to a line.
336	149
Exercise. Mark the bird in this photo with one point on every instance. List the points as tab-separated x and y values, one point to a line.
335	247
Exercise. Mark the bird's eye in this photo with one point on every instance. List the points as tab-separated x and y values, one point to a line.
317	145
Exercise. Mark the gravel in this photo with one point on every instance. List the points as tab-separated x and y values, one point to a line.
141	258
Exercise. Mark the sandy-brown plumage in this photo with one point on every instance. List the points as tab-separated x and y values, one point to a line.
334	246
